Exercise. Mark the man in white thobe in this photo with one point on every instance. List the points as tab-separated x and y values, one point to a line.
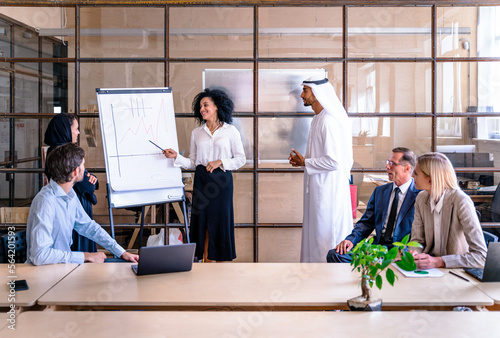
327	164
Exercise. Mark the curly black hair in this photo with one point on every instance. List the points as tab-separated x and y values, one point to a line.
224	104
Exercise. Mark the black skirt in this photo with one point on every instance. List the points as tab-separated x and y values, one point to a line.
213	210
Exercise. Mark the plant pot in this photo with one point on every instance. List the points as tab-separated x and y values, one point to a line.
361	304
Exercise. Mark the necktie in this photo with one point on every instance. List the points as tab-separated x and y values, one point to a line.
392	216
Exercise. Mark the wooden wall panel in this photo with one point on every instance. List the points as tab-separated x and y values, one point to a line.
279	245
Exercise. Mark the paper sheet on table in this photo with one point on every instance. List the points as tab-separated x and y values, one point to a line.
412	274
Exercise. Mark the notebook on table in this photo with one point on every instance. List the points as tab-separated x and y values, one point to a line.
165	258
491	271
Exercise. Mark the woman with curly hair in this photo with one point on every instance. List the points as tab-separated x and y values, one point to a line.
216	150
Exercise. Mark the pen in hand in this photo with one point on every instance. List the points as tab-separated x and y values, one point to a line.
455	274
156	145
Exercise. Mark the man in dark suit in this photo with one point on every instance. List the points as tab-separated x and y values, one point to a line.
389	211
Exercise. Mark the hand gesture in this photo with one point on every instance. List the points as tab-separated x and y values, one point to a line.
425	261
296	159
170	153
344	246
92	178
211	166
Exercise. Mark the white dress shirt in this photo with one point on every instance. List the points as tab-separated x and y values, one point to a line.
53	216
225	145
436	212
403	188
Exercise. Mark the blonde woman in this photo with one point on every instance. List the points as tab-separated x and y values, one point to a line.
445	221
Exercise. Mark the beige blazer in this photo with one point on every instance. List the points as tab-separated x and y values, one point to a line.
463	243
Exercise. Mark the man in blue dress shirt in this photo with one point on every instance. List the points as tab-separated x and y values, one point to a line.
378	214
56	211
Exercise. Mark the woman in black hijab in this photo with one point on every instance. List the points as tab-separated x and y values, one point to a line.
62	129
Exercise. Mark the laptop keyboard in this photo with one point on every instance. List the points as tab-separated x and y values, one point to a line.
476	273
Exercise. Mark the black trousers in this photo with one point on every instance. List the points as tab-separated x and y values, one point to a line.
333	257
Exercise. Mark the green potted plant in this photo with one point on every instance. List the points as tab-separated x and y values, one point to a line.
371	260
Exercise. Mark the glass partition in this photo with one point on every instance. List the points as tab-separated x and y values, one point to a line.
211	32
26	139
189	79
280	197
488	128
389	32
280	84
374	138
243	197
90	140
118	75
5	28
26	187
5	83
474	135
458	31
468	87
26	93
54	90
277	137
122	32
26	46
385	87
184	127
300	32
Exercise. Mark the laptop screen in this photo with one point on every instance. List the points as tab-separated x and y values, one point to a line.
166	258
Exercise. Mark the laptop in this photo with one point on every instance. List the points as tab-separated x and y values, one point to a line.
491	271
165	258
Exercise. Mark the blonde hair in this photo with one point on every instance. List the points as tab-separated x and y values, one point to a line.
441	171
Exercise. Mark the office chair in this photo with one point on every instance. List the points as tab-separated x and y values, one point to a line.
17	242
491	212
495	210
495	206
489	237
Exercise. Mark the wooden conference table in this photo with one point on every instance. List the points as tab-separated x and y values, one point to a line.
249	286
125	324
491	289
39	279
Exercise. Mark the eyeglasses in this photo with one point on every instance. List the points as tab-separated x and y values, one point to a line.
392	164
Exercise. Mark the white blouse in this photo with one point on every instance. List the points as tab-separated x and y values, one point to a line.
225	145
439	248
